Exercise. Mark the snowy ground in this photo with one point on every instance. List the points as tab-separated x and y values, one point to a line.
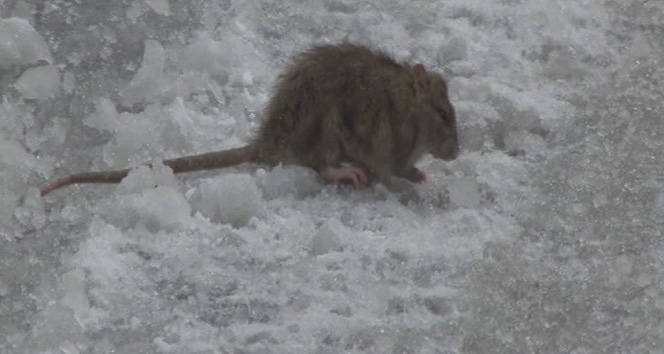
545	236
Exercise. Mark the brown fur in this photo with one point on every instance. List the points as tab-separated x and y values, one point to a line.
339	104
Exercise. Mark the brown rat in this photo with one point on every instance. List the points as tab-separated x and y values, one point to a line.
351	113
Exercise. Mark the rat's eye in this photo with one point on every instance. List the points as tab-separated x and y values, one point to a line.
447	114
443	114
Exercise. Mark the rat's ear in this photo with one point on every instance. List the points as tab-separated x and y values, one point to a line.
420	72
421	77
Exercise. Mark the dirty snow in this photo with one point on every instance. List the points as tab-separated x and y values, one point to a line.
545	236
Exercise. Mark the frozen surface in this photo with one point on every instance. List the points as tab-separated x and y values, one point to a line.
464	192
39	83
21	44
545	236
230	199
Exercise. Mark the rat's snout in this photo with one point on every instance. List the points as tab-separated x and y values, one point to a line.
454	155
449	150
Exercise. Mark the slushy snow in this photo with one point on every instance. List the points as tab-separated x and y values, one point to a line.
544	236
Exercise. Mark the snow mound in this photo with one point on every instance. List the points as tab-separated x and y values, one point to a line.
231	199
144	177
20	44
148	197
160	208
298	181
39	83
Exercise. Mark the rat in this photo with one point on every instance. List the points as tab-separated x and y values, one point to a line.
349	112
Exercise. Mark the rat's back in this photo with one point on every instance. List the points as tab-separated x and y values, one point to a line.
327	94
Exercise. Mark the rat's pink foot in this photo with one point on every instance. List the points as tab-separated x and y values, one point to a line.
344	174
417	176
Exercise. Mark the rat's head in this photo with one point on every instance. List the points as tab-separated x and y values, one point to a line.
433	107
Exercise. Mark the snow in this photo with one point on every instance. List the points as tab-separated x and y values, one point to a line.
231	199
104	116
39	83
161	208
326	241
289	181
149	81
464	192
545	236
21	44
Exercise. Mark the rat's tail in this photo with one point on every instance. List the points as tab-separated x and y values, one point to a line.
206	161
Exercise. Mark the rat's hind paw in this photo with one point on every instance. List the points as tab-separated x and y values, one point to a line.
346	174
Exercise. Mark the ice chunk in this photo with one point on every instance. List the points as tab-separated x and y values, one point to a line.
148	196
290	180
131	134
325	241
15	164
39	83
150	80
76	297
68	81
215	57
54	330
232	198
464	192
182	120
160	6
105	116
9	199
31	211
247	79
20	44
160	208
144	177
99	254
